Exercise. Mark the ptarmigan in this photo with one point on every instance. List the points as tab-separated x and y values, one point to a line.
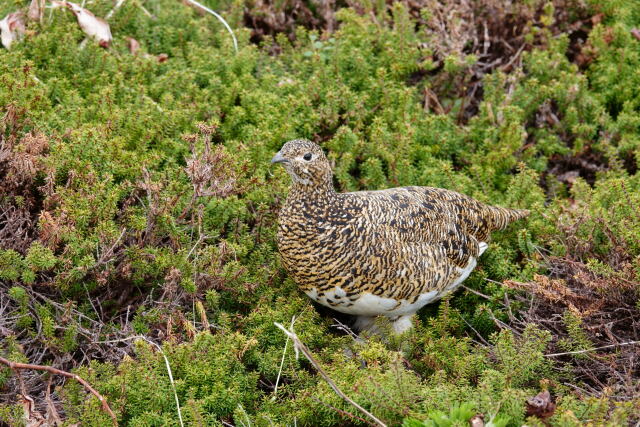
372	253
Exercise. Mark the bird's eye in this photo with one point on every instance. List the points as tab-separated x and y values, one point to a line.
307	157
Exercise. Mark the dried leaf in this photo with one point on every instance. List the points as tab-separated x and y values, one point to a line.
91	25
32	417
609	35
133	45
541	405
187	326
211	172
203	315
55	4
12	28
162	57
557	291
53	418
597	18
36	10
477	421
569	177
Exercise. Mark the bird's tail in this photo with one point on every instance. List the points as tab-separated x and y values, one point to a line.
501	217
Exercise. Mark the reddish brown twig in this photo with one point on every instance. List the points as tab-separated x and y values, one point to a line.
15	366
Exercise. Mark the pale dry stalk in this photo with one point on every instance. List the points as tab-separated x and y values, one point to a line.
299	346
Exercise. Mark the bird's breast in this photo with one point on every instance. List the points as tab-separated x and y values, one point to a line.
314	247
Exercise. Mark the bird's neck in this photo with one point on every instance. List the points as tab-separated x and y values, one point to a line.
314	193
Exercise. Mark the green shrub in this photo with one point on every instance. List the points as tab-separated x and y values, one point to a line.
118	215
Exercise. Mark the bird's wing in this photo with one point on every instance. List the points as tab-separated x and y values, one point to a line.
457	245
432	217
401	269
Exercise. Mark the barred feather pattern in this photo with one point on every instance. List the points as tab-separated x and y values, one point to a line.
399	245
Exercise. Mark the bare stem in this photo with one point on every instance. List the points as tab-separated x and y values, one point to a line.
593	349
220	18
166	362
16	366
300	346
284	353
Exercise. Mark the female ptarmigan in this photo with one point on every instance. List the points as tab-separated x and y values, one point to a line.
371	253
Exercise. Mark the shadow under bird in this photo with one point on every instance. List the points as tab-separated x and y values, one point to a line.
377	253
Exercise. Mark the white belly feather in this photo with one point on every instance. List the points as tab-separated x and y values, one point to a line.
371	305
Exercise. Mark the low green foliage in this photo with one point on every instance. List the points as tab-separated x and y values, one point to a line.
459	415
210	377
153	197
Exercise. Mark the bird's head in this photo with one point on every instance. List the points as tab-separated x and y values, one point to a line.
305	162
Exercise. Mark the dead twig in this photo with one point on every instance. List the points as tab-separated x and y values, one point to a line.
220	18
115	9
166	362
480	294
52	412
284	353
340	411
476	332
299	346
592	349
16	366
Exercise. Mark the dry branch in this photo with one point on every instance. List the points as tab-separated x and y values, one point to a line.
593	349
300	346
284	353
220	18
16	366
166	361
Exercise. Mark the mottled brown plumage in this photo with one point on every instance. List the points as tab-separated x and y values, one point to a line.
371	253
